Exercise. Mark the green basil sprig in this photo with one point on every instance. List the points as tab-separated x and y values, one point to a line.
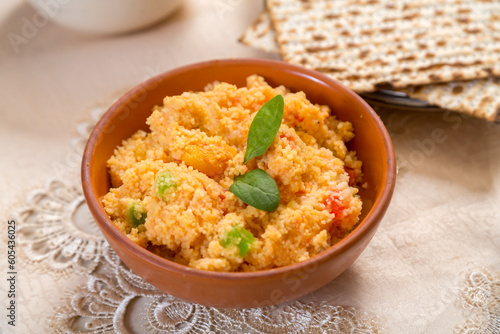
257	188
264	127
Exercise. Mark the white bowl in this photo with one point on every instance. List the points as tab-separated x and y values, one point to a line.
105	16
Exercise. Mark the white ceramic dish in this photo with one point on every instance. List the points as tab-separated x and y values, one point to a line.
105	16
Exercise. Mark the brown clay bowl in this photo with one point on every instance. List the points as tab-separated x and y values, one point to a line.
260	288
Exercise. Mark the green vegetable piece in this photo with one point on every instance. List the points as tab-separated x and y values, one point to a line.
240	237
258	189
264	127
164	181
137	215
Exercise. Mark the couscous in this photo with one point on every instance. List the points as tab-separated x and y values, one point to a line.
170	186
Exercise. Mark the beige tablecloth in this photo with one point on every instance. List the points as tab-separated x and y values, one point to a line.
433	266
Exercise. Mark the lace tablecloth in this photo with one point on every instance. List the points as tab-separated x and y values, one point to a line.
432	267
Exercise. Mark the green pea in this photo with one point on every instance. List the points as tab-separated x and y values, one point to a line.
164	181
239	237
137	214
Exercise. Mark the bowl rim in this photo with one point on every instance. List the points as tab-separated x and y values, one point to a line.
370	221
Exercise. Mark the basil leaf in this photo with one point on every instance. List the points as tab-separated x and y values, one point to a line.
264	127
258	189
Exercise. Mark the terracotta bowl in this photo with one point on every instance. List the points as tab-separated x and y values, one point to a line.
260	288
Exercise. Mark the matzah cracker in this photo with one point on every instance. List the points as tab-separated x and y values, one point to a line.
479	98
367	44
261	34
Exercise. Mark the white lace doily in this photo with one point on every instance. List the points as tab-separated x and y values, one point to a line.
57	231
481	293
114	295
57	235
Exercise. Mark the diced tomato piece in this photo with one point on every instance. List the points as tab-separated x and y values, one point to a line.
290	139
352	175
298	118
335	205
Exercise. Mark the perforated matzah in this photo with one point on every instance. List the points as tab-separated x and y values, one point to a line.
369	43
261	34
479	98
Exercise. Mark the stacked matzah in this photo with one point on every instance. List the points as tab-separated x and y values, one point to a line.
479	98
261	34
369	44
